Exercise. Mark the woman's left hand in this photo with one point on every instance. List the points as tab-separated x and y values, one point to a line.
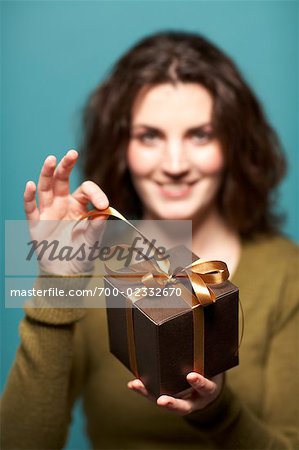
203	391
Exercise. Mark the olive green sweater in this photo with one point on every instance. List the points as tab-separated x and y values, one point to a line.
64	353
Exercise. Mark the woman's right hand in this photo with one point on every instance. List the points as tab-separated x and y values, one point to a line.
56	205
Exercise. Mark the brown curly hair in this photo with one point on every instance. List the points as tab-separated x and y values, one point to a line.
255	163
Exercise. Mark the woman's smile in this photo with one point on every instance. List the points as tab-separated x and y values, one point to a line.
171	190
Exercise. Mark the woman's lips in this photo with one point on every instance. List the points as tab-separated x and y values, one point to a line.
175	190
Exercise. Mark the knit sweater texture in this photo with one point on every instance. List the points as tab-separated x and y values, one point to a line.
64	354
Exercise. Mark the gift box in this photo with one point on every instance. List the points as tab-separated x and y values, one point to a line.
162	338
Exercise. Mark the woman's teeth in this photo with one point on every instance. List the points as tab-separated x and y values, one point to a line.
175	190
175	187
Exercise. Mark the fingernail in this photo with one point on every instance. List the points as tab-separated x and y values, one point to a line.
72	152
192	376
30	183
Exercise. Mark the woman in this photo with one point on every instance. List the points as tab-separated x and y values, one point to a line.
173	133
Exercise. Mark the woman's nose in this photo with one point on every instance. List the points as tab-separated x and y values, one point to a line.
175	159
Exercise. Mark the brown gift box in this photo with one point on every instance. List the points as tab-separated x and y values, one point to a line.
165	339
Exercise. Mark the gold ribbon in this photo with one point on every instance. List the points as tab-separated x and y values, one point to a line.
157	273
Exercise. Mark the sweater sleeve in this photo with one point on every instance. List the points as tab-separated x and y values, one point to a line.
231	424
42	384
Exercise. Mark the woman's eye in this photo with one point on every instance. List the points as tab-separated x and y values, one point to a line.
201	137
148	137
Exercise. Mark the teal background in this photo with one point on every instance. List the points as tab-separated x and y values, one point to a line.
54	53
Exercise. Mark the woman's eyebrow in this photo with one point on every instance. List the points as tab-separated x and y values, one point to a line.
147	127
200	127
155	128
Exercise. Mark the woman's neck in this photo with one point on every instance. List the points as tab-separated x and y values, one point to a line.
213	238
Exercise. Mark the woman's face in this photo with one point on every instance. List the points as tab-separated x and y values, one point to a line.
176	163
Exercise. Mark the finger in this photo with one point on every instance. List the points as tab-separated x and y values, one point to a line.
62	173
45	182
90	231
201	384
174	404
89	192
138	386
30	207
95	230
